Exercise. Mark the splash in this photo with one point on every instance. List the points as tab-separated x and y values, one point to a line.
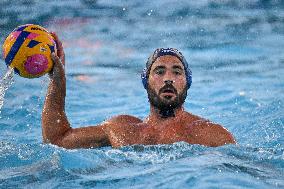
5	83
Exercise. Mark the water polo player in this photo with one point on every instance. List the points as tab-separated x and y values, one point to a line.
167	78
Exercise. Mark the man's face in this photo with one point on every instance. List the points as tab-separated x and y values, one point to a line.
167	83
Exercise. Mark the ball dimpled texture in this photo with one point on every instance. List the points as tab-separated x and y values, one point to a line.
28	50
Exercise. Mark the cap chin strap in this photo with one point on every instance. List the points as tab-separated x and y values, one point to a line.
167	113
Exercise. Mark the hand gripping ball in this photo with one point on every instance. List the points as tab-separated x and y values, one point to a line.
28	50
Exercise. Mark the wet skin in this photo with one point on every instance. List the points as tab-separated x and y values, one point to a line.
125	130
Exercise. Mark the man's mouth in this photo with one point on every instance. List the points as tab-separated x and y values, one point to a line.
168	92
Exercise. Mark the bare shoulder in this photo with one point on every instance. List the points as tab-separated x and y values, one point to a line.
208	133
121	123
121	130
123	119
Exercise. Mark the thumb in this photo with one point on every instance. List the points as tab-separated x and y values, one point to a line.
57	65
56	60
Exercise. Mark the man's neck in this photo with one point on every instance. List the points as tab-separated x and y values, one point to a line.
156	117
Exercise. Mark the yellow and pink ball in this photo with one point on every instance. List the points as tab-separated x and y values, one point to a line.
28	50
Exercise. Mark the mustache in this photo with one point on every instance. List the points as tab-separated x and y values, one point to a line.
168	87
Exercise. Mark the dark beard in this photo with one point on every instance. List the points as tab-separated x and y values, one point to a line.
166	106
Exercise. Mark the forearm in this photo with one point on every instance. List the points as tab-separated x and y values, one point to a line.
54	121
55	97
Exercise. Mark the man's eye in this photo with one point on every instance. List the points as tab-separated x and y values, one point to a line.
159	72
177	72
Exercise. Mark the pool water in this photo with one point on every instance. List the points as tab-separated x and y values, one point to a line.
235	50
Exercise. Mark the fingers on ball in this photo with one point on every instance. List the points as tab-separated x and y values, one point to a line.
60	51
55	58
58	42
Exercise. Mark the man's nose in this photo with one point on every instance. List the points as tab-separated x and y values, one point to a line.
169	78
168	82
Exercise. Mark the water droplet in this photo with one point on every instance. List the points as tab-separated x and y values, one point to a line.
5	83
242	93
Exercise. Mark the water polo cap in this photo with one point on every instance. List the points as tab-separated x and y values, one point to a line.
162	52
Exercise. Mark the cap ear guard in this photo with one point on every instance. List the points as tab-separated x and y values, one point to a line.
144	78
188	75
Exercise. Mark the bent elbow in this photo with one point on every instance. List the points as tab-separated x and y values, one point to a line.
55	138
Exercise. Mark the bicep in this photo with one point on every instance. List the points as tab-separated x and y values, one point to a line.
84	137
96	136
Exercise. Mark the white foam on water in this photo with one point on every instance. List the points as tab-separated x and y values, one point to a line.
5	83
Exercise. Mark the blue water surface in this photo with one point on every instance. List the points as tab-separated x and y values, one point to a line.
235	50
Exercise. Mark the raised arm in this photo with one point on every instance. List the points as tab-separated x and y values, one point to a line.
56	128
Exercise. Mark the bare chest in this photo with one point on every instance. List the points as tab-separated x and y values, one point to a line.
165	135
148	135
